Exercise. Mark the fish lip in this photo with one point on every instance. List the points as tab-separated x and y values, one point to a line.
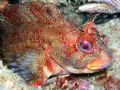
78	71
101	63
102	67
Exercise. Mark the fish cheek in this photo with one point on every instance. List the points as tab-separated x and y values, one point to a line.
56	52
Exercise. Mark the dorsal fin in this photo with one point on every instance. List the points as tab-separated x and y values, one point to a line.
45	13
11	14
18	14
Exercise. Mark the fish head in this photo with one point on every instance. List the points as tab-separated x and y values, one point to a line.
83	52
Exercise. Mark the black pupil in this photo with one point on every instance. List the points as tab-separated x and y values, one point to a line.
85	46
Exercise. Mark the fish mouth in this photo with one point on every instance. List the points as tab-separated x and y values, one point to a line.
96	65
101	62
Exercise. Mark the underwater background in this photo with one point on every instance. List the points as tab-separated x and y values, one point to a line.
106	23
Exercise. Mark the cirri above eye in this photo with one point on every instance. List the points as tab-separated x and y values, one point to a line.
85	46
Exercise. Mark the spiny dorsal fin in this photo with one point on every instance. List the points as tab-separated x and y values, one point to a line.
12	15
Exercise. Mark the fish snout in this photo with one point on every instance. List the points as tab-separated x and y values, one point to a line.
103	61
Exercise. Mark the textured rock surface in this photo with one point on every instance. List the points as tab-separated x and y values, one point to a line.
112	83
103	6
112	30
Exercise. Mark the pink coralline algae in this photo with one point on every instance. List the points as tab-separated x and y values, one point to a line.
71	83
112	83
84	85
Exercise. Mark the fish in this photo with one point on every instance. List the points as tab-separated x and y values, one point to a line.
101	6
38	43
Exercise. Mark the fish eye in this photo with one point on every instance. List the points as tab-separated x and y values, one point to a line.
85	46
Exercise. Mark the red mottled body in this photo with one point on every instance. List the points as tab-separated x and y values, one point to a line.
36	36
